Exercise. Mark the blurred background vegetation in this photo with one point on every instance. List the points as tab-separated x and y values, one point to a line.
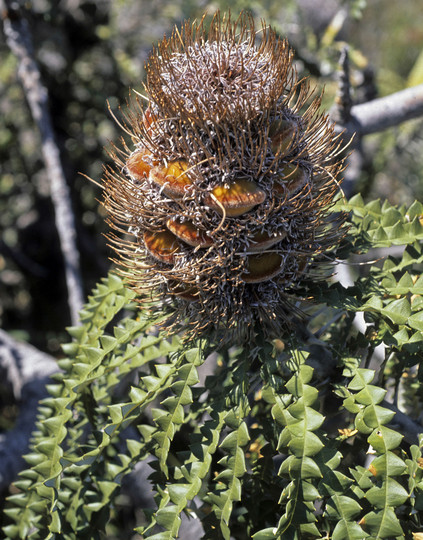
93	52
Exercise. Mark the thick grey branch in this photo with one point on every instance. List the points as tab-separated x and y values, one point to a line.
18	38
385	112
371	117
26	371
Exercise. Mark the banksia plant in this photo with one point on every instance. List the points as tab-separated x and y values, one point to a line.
227	190
227	187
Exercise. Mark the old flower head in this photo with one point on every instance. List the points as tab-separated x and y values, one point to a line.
227	186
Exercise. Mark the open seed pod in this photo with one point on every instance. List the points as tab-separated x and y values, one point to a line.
229	183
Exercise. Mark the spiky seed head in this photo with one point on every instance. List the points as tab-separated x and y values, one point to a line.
227	186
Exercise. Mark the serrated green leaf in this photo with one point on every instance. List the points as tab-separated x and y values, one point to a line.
77	332
362	476
308	445
376	415
334	482
12	531
342	507
382	524
239	468
406	281
295	384
361	425
398	311
163	370
385	439
94	355
194	356
70	349
310	395
370	395
415	210
137	395
351	405
391	493
361	379
388	464
397	232
266	534
374	207
189	374
348	530
401	337
240	437
310	492
178	492
108	343
380	236
416	321
306	467
167	516
151	382
309	529
356	201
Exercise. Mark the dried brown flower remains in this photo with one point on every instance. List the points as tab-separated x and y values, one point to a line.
227	188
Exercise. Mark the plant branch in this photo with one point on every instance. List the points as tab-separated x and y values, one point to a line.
389	111
377	114
25	371
18	38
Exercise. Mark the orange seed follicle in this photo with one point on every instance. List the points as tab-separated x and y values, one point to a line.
189	233
239	197
137	165
162	245
262	267
172	179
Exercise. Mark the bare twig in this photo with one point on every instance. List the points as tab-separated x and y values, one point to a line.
343	101
341	114
18	37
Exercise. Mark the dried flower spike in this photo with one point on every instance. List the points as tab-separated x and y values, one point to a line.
228	186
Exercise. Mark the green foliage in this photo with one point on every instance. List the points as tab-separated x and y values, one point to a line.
286	440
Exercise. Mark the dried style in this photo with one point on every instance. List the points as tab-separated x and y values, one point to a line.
228	188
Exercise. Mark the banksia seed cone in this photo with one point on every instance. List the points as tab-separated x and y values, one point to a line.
227	189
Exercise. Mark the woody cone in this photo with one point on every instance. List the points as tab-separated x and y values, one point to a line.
227	187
